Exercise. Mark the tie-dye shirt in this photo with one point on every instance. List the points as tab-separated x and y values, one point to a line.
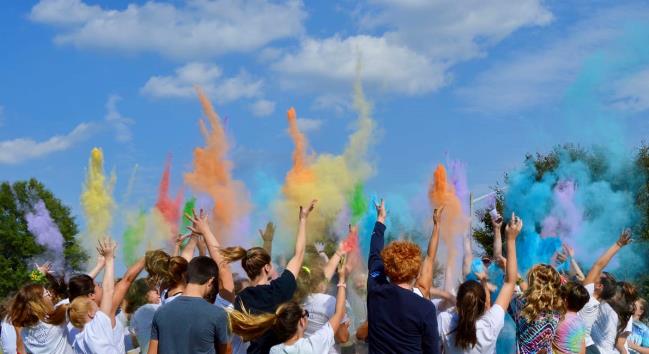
534	337
570	335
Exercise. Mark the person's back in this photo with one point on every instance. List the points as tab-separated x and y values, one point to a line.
398	319
488	327
141	324
45	338
189	325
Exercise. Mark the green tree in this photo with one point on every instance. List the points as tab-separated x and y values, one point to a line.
18	246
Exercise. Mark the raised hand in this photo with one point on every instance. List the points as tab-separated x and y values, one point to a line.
45	267
497	222
514	227
107	248
304	213
381	212
625	238
200	224
268	233
342	269
437	215
569	250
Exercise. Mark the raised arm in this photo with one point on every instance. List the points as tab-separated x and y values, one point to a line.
375	263
107	249
596	271
200	226
121	288
267	236
295	263
512	230
574	266
101	263
332	263
467	256
338	316
498	242
188	251
202	246
425	278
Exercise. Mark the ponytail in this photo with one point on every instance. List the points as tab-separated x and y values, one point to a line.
233	254
164	271
471	301
252	260
283	322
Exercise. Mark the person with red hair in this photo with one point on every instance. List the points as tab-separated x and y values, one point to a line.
400	321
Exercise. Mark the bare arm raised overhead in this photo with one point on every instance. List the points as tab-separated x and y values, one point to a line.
425	279
295	263
596	271
512	230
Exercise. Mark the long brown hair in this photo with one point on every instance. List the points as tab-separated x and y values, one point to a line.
284	322
29	307
471	303
165	271
543	293
252	260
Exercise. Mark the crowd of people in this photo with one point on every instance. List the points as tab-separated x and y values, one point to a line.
190	301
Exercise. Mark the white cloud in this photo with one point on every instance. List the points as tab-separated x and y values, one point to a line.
262	108
23	149
308	124
209	77
540	73
198	29
118	121
386	65
632	92
423	41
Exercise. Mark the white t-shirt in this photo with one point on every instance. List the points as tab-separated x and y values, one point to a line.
488	328
8	338
604	332
321	308
44	338
141	324
589	312
320	342
99	336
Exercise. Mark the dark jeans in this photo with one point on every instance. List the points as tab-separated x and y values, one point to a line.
592	349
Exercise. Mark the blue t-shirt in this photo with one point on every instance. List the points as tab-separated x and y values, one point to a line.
189	325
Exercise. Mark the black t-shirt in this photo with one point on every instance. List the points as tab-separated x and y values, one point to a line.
265	299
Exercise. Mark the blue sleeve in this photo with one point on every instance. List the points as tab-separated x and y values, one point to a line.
154	327
375	264
430	337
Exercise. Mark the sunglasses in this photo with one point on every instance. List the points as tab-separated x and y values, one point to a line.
306	314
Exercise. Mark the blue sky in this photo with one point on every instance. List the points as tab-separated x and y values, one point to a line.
482	81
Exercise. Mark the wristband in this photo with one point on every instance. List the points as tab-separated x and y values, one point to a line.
342	285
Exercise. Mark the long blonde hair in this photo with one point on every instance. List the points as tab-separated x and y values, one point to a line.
543	292
283	322
29	307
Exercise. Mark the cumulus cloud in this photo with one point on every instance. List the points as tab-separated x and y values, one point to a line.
209	77
117	121
423	41
262	108
197	29
540	73
23	149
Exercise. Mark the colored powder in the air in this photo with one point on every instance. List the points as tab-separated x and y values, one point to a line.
44	229
129	186
358	203
329	178
134	236
454	224
351	242
167	206
212	175
96	198
188	209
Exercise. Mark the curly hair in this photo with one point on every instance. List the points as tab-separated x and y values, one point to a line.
544	292
402	260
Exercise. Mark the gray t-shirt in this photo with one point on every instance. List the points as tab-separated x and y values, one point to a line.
189	325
